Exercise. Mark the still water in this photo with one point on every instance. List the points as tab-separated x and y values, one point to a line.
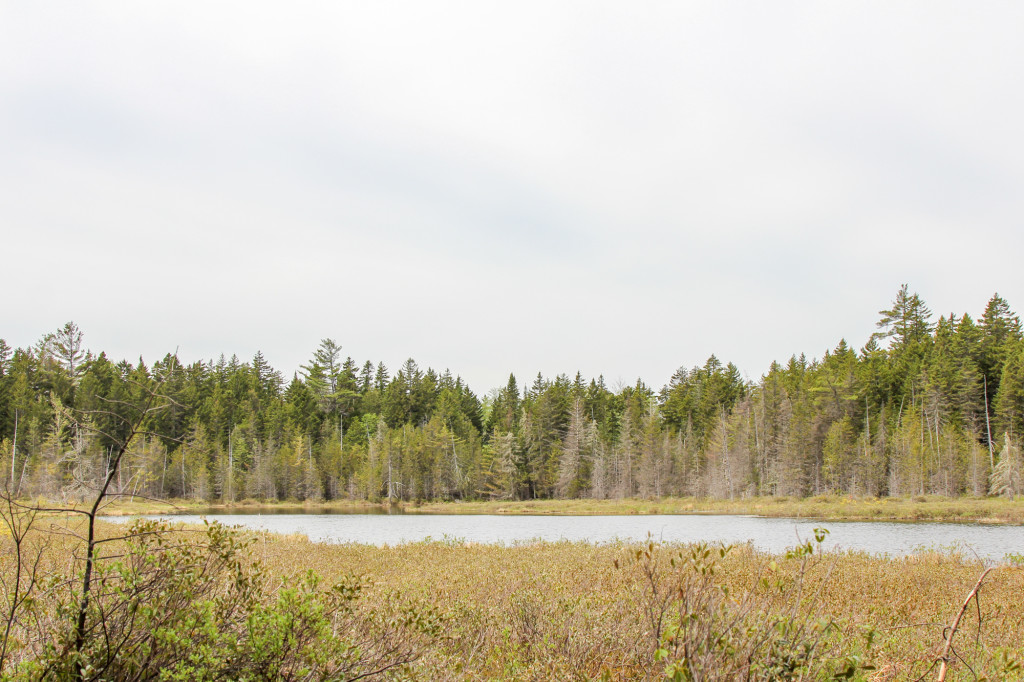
989	542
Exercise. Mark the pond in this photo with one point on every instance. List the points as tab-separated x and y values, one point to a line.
989	542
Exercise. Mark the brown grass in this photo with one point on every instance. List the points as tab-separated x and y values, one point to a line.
564	611
827	508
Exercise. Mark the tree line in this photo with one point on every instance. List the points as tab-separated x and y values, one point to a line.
924	407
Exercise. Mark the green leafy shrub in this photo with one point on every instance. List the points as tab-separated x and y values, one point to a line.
701	629
185	606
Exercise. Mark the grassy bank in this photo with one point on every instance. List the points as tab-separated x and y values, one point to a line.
137	506
994	510
930	508
576	611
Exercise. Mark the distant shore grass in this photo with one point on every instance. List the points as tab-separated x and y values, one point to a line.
826	508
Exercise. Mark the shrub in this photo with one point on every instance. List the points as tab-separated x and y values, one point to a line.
701	630
185	606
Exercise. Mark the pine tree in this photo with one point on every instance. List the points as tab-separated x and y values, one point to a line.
504	416
67	345
6	406
381	378
1009	401
839	457
907	322
366	377
267	381
331	382
1000	331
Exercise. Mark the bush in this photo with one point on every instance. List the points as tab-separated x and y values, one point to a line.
701	630
181	606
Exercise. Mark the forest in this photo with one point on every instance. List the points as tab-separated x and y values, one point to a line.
926	406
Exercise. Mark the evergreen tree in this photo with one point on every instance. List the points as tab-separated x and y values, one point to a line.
67	345
267	381
381	377
332	382
366	377
840	457
908	326
504	416
906	322
1000	334
1009	401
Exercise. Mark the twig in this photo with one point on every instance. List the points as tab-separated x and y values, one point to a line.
956	624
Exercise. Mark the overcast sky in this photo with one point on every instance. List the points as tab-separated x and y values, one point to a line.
614	188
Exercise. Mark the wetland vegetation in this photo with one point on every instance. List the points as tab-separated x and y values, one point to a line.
823	507
210	604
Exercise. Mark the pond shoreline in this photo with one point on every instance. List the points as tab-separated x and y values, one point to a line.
774	535
994	511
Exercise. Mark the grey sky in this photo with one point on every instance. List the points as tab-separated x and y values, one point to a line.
492	187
